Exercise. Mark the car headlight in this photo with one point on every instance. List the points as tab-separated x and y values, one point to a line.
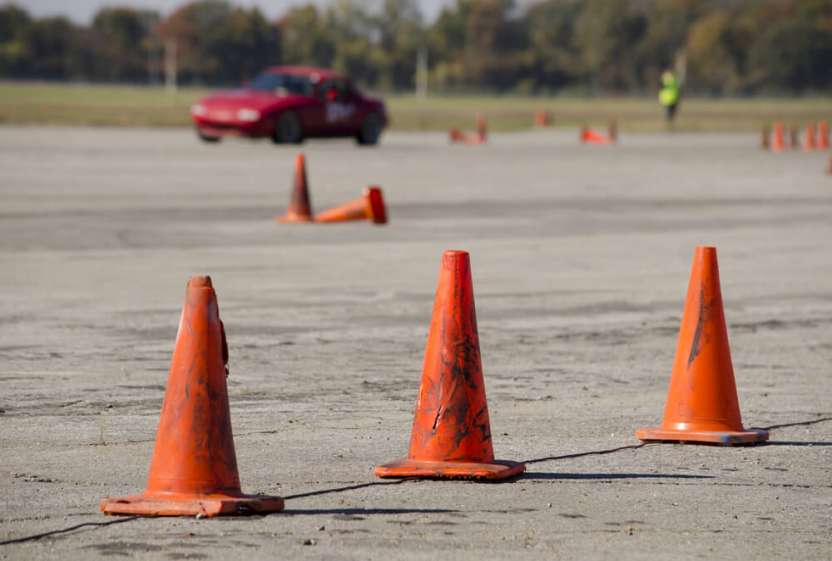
248	115
198	110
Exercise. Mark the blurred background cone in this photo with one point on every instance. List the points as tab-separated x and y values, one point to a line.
300	207
369	206
778	139
809	141
194	465
823	135
702	404
451	434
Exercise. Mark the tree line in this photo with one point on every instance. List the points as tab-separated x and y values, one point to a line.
722	47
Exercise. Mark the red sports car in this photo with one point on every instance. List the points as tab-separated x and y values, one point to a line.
290	103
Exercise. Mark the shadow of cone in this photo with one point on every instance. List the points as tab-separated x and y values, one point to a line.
369	206
702	404
194	465
300	207
451	434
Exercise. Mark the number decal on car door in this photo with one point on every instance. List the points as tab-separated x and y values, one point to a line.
336	111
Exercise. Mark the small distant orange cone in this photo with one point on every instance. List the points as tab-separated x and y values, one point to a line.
300	207
451	435
543	119
809	142
823	135
194	466
765	137
369	206
482	129
702	404
612	131
778	139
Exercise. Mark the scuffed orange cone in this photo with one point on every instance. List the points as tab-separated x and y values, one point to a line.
702	404
823	135
194	466
778	139
451	435
300	207
369	206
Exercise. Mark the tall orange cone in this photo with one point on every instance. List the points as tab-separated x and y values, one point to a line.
194	466
823	135
369	206
809	142
702	404
451	435
300	207
778	139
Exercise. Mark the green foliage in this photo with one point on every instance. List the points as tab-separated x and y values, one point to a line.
546	46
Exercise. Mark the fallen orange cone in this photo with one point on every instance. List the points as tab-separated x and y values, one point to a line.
194	466
702	404
451	434
369	206
479	137
589	136
300	207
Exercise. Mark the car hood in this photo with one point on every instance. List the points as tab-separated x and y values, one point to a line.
246	99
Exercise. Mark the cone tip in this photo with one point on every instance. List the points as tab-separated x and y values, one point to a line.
454	258
200	282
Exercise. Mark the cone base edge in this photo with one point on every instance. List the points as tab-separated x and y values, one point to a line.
724	438
145	505
494	471
293	219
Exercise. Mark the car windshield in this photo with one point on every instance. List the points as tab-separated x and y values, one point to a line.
282	84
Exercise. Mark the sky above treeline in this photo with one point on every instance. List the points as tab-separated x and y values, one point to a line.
82	11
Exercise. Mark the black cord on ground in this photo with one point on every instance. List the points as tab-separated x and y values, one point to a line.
69	529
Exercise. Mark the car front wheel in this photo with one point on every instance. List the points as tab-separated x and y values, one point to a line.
370	130
204	137
287	130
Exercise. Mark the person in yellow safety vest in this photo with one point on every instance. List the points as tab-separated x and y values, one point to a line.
669	94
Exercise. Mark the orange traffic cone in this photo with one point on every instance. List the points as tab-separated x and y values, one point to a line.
300	208
809	143
456	135
612	131
482	130
778	140
194	466
823	135
451	435
765	137
542	119
369	206
702	404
